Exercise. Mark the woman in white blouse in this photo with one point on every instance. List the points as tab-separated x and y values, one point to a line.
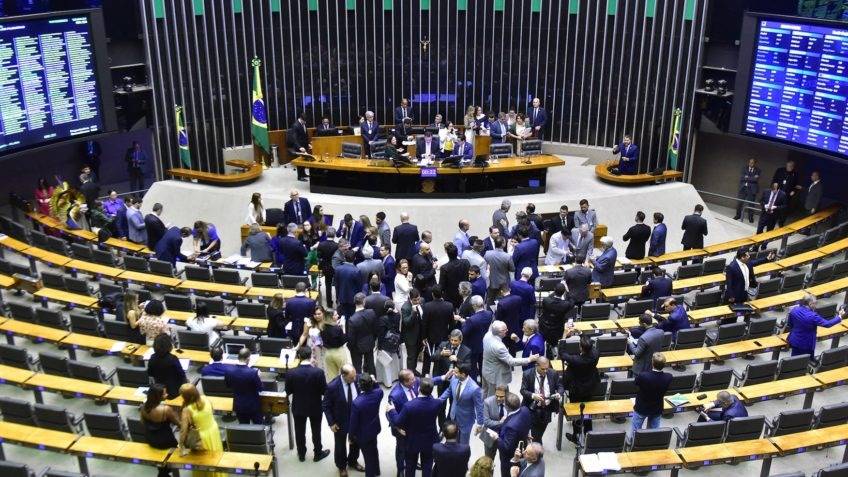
403	283
201	321
522	132
255	210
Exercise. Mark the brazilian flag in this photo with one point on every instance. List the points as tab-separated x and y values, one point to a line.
674	139
258	111
182	137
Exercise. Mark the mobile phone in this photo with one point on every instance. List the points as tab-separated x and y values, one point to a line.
594	326
701	396
757	343
521	445
179	351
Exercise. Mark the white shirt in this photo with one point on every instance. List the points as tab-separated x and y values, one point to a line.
475	258
207	325
538	389
353	390
402	288
253	217
744	268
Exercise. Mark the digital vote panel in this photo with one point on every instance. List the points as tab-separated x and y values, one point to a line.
49	87
799	85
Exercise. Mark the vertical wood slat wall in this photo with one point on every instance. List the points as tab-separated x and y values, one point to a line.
602	68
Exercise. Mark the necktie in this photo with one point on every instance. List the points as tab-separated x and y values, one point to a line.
501	412
542	386
456	400
771	200
404	112
564	223
349	394
410	395
297	211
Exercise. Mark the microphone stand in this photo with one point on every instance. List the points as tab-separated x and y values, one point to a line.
582	438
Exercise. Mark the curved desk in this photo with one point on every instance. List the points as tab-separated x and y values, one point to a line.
378	178
602	170
248	174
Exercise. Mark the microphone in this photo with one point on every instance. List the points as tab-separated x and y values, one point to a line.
256	469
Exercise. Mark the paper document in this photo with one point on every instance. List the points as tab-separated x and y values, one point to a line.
142	391
609	460
591	464
147	354
184	362
678	399
118	346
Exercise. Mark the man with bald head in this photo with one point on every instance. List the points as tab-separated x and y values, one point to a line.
340	394
538	119
541	392
528	463
423	269
297	209
497	360
404	237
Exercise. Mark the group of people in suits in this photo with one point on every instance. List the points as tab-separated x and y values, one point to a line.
780	198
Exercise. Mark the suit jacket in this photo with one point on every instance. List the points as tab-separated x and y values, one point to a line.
780	203
528	388
531	470
497	361
425	275
501	267
812	201
246	385
348	282
305	385
297	309
657	288
168	248
577	279
466	409
334	404
581	246
540	119
552	318
361	331
326	249
404	237
136	233
465	309
589	218
410	326
437	321
418	419
638	235
370	132
443	365
489	245
376	303
526	254
421	146
604	267
215	369
788	180
658	235
534	345
628	162
749	181
291	216
649	343
652	386
694	230
450	459
803	324
514	429
155	230
365	416
464	149
735	282
509	311
528	298
399	114
296	136
356	236
450	276
499	132
474	329
581	376
294	255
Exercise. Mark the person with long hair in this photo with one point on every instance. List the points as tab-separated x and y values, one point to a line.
317	219
197	413
255	210
282	231
132	314
201	321
403	283
309	236
206	240
334	341
157	418
469	123
483	467
164	367
311	337
152	323
43	193
276	314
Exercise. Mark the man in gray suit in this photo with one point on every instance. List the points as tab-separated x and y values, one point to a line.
494	410
814	194
528	463
577	280
500	219
647	341
586	216
582	240
497	361
501	269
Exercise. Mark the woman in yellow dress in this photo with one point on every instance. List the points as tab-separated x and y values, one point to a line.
197	411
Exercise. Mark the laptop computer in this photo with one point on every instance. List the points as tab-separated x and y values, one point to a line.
231	352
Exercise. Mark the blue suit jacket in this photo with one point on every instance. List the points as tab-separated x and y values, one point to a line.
389	273
168	248
509	311
535	345
370	133
291	217
737	409
514	428
418	419
677	320
657	288
298	308
293	255
803	323
468	409
604	267
335	406
246	386
528	298
450	459
399	114
526	254
474	329
657	244
357	233
365	416
348	282
467	150
478	287
735	282
540	120
628	163
499	132
215	369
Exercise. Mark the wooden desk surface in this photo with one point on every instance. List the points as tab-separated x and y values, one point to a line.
34	436
79	340
13	375
622	292
97	446
599	325
603	173
761	304
127	245
6	281
745	347
124	395
835	247
77	387
720	453
150	279
677	256
777	389
220	404
47	256
67	297
813	219
182	316
771	235
768	267
730	246
238	462
833	377
698	282
102	270
263	292
828	288
615	407
627	323
800	259
509	164
711	313
607	363
792	443
13	244
248	324
693	401
222	288
688	356
139	452
30	330
633	461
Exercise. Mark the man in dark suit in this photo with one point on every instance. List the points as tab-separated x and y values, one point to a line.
526	254
337	403
326	249
739	277
297	209
790	183
410	314
658	286
351	230
305	386
348	284
694	230
418	420
514	429
404	236
658	235
375	301
450	354
638	235
651	385
509	311
812	201
773	202
489	242
530	342
365	423
473	329
552	319
749	185
499	129
427	146
135	159
450	459
561	223
246	386
298	308
216	367
370	130
577	280
538	118
541	393
478	282
403	112
293	252
451	274
435	326
297	143
423	270
648	342
154	226
361	329
628	162
168	248
463	149
603	266
403	392
525	290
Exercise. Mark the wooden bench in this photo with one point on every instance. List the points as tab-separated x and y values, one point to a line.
246	176
602	170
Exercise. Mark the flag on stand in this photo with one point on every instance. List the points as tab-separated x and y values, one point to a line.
674	139
182	137
258	112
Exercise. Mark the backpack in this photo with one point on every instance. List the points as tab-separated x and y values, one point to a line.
391	342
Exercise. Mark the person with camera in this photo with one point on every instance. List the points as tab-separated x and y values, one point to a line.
541	391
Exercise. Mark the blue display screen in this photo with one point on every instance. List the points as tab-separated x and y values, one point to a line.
49	88
799	85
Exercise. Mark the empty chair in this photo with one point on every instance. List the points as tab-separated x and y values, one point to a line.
707	299
622	388
89	372
269	385
57	245
56	418
682	383
132	376
77	285
792	282
637	307
136	264
107	289
13	469
15	356
215	306
595	311
714	379
599	392
729	333
714	265
136	429
48	472
104	257
18	232
700	434
611	345
620	279
690	338
832	415
689	271
756	373
193	339
351	149
500	150
649	439
250	310
231	277
193	272
840	270
598	441
531	147
291	281
51	318
37	239
117	330
790	422
770	287
250	438
85	324
667	341
821	275
839	470
53	280
265	280
568	346
52	363
22	312
17	411
178	302
274	216
378	148
761	327
827	311
744	428
273	346
829	359
831	235
215	386
159	267
804	245
81	251
793	366
546	284
105	424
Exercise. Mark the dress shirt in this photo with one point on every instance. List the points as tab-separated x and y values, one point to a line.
745	270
